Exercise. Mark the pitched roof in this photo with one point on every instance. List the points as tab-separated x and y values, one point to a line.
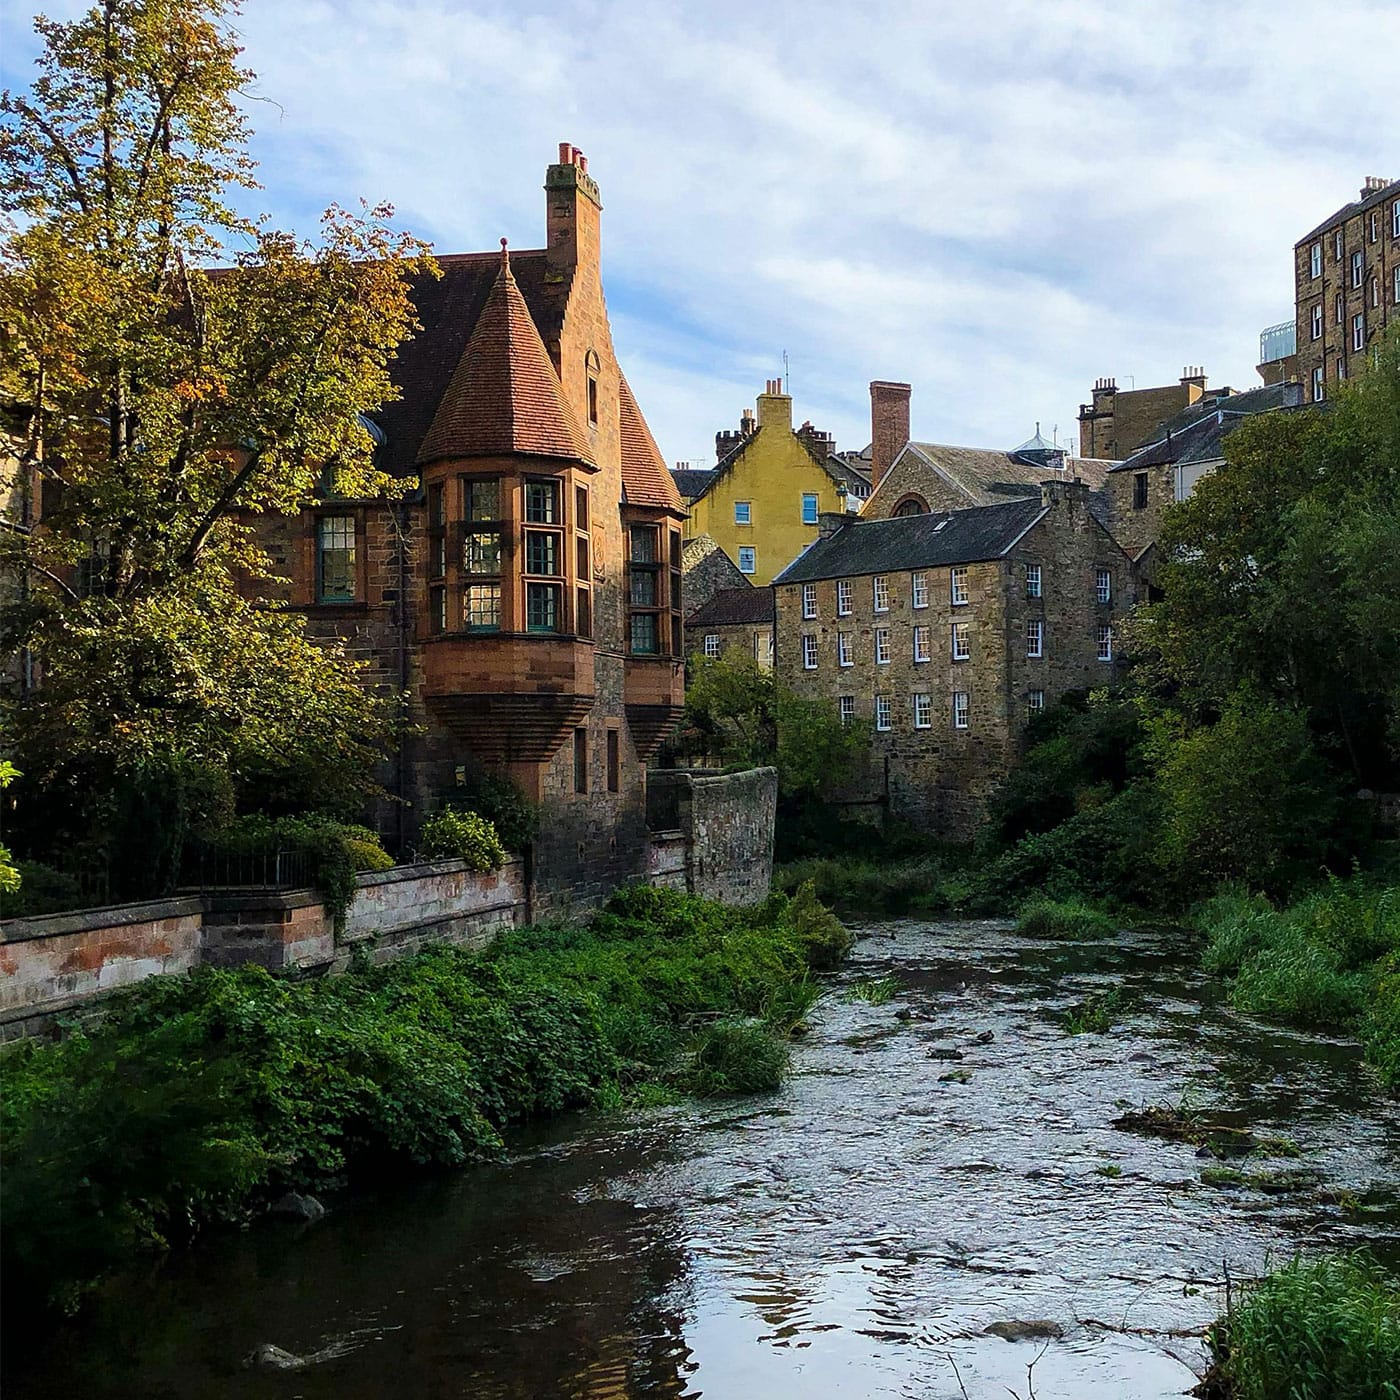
645	478
1197	434
504	396
986	475
916	541
691	482
1377	196
699	483
732	607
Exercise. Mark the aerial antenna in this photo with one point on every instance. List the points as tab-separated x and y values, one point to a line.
787	381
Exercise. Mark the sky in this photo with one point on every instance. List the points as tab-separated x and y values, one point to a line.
998	202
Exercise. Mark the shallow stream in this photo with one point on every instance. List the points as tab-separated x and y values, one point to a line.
938	1164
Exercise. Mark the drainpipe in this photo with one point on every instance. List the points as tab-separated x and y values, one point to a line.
399	512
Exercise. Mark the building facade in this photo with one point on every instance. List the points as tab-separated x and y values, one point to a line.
526	596
946	632
1118	421
733	619
762	501
1346	277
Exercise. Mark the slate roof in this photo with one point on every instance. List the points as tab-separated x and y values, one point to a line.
1357	206
504	396
645	478
734	607
986	475
916	542
691	483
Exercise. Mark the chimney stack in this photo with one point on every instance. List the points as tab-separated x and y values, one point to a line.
572	226
889	425
775	407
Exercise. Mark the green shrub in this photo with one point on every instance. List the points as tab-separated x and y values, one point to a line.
822	937
737	1057
42	890
1063	918
1320	1329
368	855
465	836
1380	1026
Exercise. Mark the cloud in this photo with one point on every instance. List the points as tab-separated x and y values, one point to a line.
998	202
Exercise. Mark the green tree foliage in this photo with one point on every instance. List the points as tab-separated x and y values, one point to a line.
463	836
166	404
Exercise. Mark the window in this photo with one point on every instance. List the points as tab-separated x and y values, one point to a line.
882	712
1338	245
645	638
1103	585
1318	391
1315	260
1317	322
1035	637
1340	309
960	720
923	711
919	586
882	593
843	649
848	708
542	502
591	366
482	610
809	651
1375	224
481	528
809	507
1395	285
1035	701
958	584
1358	331
542	607
809	600
614	761
335	559
921	643
541	552
1341	370
437	610
580	507
962	641
580	760
1139	490
843	597
712	644
1375	291
583	613
747	560
1105	642
1032	580
644	590
743	512
1358	268
1395	219
437	532
882	646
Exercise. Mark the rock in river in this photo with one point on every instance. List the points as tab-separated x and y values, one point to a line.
1033	1331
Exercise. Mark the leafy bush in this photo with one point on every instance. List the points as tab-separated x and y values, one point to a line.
41	890
1070	918
1320	1329
823	939
368	855
464	836
737	1057
929	882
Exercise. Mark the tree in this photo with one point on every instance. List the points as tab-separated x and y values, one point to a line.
166	402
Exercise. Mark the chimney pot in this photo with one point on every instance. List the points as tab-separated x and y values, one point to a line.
564	153
583	162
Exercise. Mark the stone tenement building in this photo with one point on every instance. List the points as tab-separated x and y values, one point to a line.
946	631
1119	421
528	594
1346	275
733	619
762	500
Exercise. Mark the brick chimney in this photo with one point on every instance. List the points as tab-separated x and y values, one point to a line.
1072	492
889	425
572	225
1193	380
775	407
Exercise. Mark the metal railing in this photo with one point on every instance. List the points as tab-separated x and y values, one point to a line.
268	867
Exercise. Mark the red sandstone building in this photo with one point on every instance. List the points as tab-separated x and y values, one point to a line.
527	594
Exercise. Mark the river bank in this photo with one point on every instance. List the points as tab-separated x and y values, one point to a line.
941	1161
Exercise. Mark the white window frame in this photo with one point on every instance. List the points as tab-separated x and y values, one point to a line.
1315	260
923	710
923	649
1395	219
1358	268
1035	638
711	644
809	651
1375	291
957	586
1339	245
1103	585
1033	581
743	512
1341	370
882	646
843	597
1105	641
1340	309
918	588
1375	224
882	714
1358	331
844	656
846	705
961	707
816	507
961	641
1319	391
1395	279
747	550
1317	322
880	593
809	601
1035	701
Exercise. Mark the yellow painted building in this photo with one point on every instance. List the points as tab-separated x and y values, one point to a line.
761	503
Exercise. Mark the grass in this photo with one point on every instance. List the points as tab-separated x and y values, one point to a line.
1318	1329
859	887
875	991
1063	918
200	1098
1097	1014
1330	961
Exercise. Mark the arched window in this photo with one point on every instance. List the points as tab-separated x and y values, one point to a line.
912	505
591	366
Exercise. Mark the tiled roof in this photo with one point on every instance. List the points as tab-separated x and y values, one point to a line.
1197	434
691	483
1386	192
646	481
504	396
986	475
732	607
916	542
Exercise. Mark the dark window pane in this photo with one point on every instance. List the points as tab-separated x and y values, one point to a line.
481	500
643	588
541	552
580	760
542	502
644	634
643	544
435	506
481	552
583	613
542	607
581	507
335	559
614	764
483	606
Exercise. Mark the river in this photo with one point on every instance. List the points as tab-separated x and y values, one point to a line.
938	1164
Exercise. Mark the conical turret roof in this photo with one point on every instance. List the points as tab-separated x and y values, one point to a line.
504	396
